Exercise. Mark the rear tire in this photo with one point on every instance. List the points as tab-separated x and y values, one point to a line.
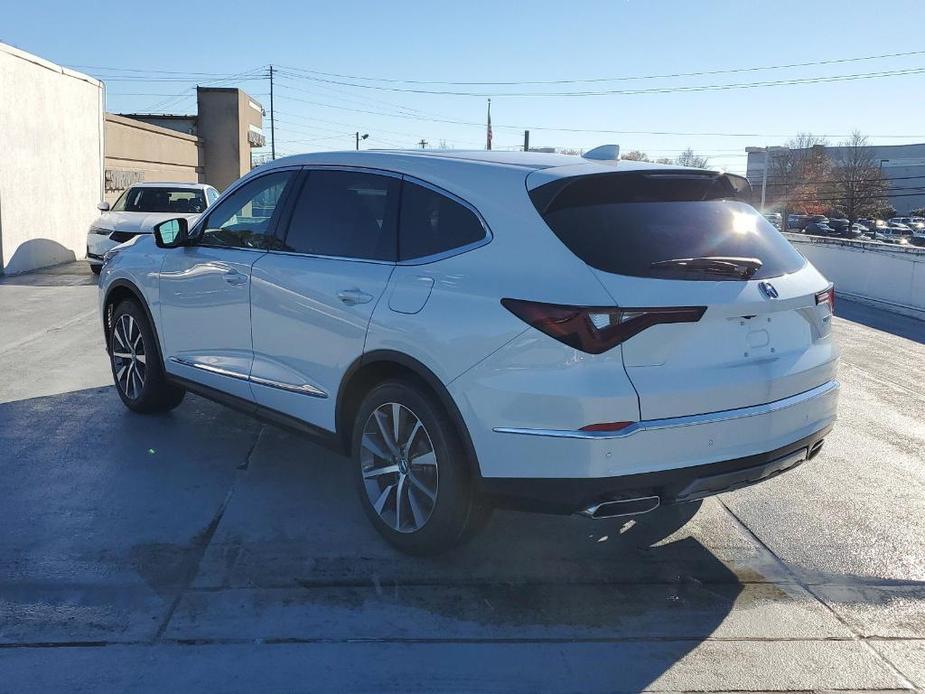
412	474
137	368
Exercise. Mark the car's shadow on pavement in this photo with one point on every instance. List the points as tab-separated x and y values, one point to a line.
203	526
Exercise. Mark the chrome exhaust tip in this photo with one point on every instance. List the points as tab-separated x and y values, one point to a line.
621	507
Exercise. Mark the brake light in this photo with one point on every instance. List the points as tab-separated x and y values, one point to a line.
597	329
827	297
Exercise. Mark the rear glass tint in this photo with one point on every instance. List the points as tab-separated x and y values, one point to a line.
629	223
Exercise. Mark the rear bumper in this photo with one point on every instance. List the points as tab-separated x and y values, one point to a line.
572	495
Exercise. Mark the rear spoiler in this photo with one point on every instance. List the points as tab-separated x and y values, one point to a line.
732	186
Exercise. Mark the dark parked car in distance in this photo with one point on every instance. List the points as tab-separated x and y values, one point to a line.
845	229
797	221
818	229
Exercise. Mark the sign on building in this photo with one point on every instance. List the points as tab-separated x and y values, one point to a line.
117	179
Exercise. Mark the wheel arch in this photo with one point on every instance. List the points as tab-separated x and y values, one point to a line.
119	291
380	365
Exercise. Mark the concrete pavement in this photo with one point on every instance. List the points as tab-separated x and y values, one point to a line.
203	550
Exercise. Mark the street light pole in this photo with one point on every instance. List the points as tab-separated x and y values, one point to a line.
764	177
767	165
361	137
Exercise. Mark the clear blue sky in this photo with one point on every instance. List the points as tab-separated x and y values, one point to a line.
506	41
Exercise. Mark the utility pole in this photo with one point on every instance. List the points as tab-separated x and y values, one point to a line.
423	143
361	137
526	140
272	120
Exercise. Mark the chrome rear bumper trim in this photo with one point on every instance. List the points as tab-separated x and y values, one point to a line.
676	422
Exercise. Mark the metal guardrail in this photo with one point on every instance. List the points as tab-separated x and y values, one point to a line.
885	275
854	243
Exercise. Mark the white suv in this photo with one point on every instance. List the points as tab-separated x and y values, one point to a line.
475	329
139	208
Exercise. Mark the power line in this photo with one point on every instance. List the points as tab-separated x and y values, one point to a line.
231	78
885	179
701	73
600	131
150	70
634	92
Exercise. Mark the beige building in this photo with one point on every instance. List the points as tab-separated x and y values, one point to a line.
51	156
62	154
213	146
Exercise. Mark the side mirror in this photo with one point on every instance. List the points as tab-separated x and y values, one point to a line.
103	206
172	233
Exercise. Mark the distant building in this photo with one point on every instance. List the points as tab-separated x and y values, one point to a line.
903	166
213	146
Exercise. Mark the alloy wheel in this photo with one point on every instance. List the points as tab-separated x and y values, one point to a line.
399	466
128	356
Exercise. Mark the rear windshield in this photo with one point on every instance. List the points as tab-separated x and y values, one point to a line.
630	223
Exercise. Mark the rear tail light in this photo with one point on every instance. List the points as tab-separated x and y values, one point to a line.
596	329
827	297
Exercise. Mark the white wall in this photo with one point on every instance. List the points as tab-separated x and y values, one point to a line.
51	160
891	277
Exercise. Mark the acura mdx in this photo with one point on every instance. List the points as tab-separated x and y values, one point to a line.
480	329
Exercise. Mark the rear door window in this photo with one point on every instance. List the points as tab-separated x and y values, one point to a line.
346	214
631	223
433	223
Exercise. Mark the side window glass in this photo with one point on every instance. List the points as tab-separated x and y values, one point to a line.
346	214
433	223
212	195
243	219
120	203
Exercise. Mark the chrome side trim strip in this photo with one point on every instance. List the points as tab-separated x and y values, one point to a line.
676	422
304	389
210	369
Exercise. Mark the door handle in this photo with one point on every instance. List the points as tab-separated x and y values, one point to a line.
352	297
235	278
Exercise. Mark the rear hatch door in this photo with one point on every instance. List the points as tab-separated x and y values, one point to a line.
684	238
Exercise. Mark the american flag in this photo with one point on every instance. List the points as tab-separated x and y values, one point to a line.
488	140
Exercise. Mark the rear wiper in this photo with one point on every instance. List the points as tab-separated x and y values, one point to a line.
719	265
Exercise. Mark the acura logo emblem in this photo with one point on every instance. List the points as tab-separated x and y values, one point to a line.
768	290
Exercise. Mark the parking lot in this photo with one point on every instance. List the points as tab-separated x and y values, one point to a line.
202	549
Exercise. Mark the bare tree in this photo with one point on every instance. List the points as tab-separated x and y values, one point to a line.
635	155
858	188
664	160
796	176
688	158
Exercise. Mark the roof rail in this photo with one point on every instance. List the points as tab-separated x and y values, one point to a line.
603	153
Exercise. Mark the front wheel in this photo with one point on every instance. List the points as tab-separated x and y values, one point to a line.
412	472
136	363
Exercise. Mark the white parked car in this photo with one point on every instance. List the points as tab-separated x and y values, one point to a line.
139	208
475	329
